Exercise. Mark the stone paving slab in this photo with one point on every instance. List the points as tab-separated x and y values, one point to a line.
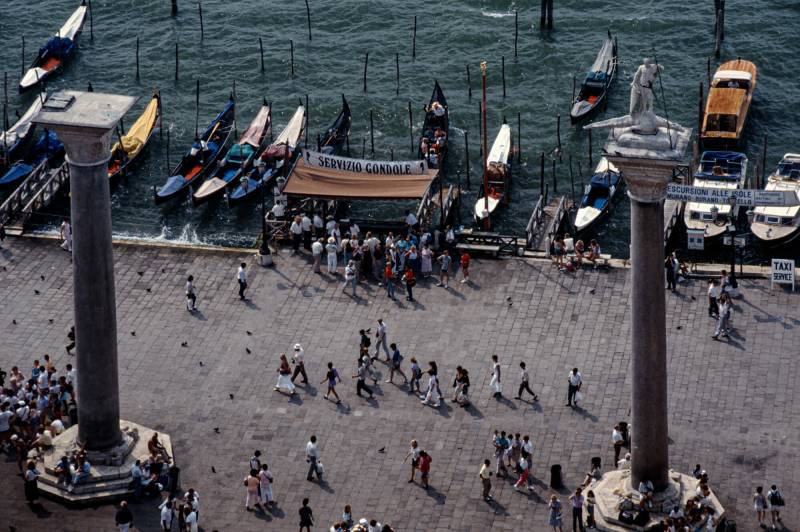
732	404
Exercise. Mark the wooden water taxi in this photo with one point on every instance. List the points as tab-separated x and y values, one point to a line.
728	102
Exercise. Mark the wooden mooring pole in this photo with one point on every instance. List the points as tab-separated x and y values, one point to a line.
177	62
541	174
519	137
308	17
137	57
466	152
503	72
174	11
516	31
291	56
411	127
200	12
261	49
469	83
414	40
371	134
397	70
366	62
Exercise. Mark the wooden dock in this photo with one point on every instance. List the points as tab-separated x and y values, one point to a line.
35	193
546	221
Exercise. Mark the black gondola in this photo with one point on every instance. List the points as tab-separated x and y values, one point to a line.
594	89
435	130
336	135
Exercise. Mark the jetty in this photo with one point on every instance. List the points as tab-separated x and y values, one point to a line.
546	220
34	194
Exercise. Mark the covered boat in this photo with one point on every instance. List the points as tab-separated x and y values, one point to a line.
498	174
725	170
728	102
435	129
271	160
780	225
594	89
47	148
131	145
599	193
16	139
58	49
200	158
239	158
336	136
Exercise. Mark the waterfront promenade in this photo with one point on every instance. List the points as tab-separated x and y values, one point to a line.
732	404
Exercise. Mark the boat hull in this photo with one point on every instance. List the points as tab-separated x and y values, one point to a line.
775	235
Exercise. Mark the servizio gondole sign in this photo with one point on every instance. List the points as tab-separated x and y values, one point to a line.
744	197
364	166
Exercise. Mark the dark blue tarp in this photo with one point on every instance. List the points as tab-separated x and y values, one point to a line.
730	161
602	180
57	47
596	77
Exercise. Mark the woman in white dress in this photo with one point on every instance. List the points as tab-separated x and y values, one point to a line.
494	384
427	261
285	384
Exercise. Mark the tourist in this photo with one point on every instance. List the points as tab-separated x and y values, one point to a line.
361	376
590	504
306	516
524	468
394	365
66	236
595	472
316	253
444	268
413	453
559	250
646	491
485	474
555	517
416	376
167	514
380	334
760	503
594	252
669	266
331	377
190	519
298	359
625	463
410	281
465	267
501	444
156	448
713	294
579	250
312	457
495	384
723	325
124	517
347	517
411	220
255	460
378	263
296	232
426	256
138	479
350	276
191	298
71	336
32	483
318	225
388	275
346	248
425	468
776	503
241	278
251	484
433	388
285	384
524	384
305	224
575	381
331	251
266	479
617	440
577	501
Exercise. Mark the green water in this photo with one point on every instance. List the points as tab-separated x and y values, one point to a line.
449	36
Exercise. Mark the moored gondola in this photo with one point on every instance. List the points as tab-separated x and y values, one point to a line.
15	141
130	146
435	129
596	201
239	158
200	158
47	148
498	175
335	137
58	48
594	89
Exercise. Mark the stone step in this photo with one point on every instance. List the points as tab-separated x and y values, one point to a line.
80	499
91	487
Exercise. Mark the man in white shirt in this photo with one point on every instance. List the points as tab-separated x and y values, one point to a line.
191	297
316	252
350	277
6	418
66	234
305	222
296	231
278	210
617	440
575	381
318	225
298	359
330	224
381	340
625	463
411	219
312	457
371	243
166	515
355	230
241	278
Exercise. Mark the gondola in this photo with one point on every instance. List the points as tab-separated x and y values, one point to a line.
270	161
47	148
596	201
126	152
16	139
594	89
335	137
435	130
200	158
58	48
498	170
239	158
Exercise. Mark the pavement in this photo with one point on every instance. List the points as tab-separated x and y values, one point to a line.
732	403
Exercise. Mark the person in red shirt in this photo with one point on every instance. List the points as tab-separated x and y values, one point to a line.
465	267
387	278
410	281
425	467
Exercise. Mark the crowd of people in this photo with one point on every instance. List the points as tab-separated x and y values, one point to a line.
569	254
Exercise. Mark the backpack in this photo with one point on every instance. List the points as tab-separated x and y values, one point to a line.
775	499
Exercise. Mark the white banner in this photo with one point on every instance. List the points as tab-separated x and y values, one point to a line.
364	166
744	197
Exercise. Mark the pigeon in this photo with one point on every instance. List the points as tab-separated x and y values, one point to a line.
133	333
147	289
140	273
4	269
382	449
693	298
50	320
184	344
36	292
42	276
230	395
213	470
216	429
249	333
201	363
163	270
248	350
679	327
14	322
591	291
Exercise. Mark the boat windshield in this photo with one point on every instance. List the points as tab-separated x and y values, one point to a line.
724	123
789	169
721	165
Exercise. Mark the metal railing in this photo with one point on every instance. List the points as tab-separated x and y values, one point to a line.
19	205
534	224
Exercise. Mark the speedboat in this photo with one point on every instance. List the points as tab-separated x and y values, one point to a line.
725	170
597	197
780	225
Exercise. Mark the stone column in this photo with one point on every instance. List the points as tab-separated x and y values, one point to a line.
84	122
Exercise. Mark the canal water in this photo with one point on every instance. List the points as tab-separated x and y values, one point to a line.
450	36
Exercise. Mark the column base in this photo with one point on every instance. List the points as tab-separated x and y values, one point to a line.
614	492
110	474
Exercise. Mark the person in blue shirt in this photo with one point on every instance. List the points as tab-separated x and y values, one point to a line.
397	359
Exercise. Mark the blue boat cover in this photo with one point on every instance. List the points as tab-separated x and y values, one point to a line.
227	108
57	47
47	143
18	171
239	153
603	179
730	161
596	77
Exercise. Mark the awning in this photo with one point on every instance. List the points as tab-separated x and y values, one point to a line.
317	175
